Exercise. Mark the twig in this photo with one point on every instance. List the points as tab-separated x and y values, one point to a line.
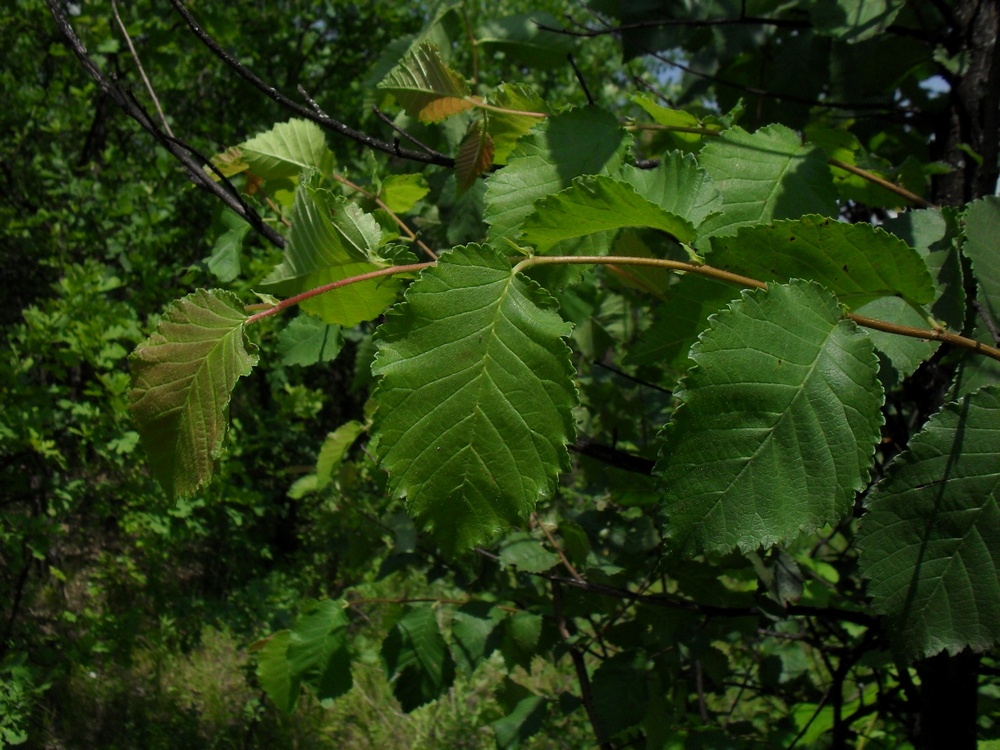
142	71
988	321
293	106
408	136
580	78
565	561
180	152
580	666
881	182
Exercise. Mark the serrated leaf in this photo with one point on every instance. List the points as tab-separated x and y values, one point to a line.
475	156
332	239
224	262
427	88
854	20
287	149
982	228
472	626
309	341
765	176
679	186
274	672
900	355
521	724
182	378
775	438
674	118
527	554
597	203
401	191
930	538
519	37
474	405
230	162
582	141
418	659
506	128
335	447
319	651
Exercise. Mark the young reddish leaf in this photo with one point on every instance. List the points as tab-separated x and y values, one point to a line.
427	88
475	156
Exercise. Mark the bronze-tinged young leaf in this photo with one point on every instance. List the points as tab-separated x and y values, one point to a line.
427	88
474	407
930	538
475	156
778	423
182	377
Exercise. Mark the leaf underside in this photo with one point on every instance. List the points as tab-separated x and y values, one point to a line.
182	377
474	406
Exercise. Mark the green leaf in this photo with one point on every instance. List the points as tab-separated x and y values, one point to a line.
620	691
182	377
418	659
506	128
400	192
319	652
581	141
593	204
275	674
765	176
521	724
525	553
335	447
224	262
858	262
775	438
854	20
519	37
427	88
982	228
930	538
678	186
287	149
309	341
332	239
472	628
474	406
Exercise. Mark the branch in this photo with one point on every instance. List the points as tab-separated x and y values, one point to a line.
142	71
320	119
178	150
399	222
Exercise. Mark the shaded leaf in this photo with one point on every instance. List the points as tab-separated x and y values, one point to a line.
319	651
521	724
417	658
334	448
309	341
401	191
982	228
773	439
854	20
224	262
182	378
597	203
275	674
679	186
474	406
526	553
930	538
427	88
519	38
765	176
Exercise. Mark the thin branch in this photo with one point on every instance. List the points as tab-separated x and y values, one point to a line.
411	138
580	78
142	71
323	120
881	182
988	321
562	557
179	151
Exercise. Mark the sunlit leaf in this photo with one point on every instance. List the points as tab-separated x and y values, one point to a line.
426	87
401	191
182	377
287	149
520	38
775	438
679	186
506	128
930	537
474	405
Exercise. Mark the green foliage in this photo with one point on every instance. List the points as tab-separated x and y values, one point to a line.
723	476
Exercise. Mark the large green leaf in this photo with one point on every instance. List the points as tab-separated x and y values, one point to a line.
332	239
519	37
775	436
982	230
474	406
287	149
182	377
765	176
930	538
597	203
275	673
426	87
319	651
582	141
417	657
